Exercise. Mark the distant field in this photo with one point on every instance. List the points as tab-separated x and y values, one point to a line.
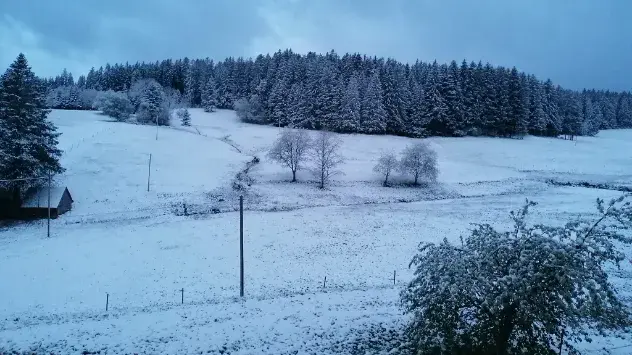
137	246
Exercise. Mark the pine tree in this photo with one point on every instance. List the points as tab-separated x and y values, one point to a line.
209	95
450	91
351	107
414	119
624	111
391	82
571	113
468	89
298	110
152	108
434	112
590	123
185	117
373	115
537	120
329	95
516	118
551	110
28	141
278	104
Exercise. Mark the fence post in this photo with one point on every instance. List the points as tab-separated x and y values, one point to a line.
48	222
325	282
241	246
182	295
107	301
394	275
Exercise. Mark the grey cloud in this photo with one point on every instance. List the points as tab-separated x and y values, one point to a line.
581	43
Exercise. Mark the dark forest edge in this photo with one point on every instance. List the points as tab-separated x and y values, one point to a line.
360	94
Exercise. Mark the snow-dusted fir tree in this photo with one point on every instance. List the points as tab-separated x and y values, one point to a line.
434	111
326	158
291	149
420	161
278	104
392	97
298	110
209	95
537	119
518	114
351	106
528	290
386	164
551	109
373	112
450	90
152	109
28	140
184	116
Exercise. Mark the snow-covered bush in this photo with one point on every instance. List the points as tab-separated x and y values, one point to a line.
525	291
420	161
114	104
291	149
249	109
385	166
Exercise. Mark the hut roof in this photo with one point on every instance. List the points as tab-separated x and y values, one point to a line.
39	197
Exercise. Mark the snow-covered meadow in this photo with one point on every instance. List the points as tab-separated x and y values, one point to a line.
138	247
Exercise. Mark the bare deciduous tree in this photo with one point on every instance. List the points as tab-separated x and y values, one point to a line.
385	165
326	157
291	149
420	161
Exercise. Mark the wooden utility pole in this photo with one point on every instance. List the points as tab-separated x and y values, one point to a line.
149	172
241	246
48	222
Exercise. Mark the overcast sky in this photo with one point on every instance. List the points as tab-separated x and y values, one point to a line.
576	43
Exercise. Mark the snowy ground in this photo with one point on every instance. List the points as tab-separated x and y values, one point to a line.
137	246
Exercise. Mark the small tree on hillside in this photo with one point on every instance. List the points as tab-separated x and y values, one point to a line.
326	157
291	149
185	117
153	108
420	161
385	166
529	290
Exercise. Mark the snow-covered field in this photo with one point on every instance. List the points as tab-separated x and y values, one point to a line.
139	248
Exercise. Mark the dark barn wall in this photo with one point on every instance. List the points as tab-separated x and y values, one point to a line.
37	212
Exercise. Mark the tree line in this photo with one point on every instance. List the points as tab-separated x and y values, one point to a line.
360	94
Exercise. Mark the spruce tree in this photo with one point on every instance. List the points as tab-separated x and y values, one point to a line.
537	119
351	107
450	91
209	95
551	110
516	118
434	112
185	117
392	98
373	112
152	108
28	140
298	110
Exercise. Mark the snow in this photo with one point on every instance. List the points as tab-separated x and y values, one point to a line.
40	197
138	247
